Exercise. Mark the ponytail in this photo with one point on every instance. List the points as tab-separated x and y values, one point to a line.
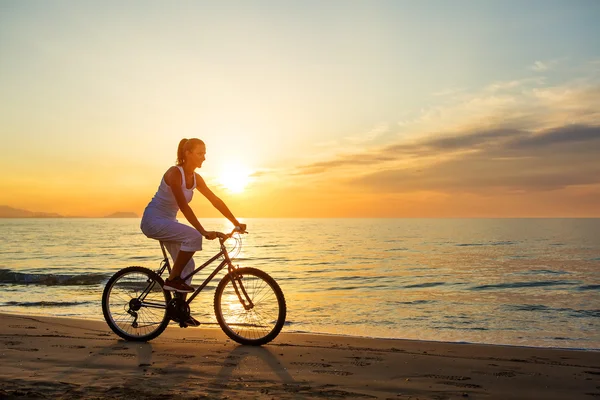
181	151
186	145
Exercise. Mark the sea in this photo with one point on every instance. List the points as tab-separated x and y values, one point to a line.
521	282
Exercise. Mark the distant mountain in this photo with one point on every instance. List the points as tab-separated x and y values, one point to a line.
10	212
123	214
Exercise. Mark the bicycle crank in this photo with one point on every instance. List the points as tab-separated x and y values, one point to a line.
179	311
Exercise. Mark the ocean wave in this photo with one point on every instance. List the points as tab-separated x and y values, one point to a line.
424	285
260	258
142	257
589	287
461	328
413	303
8	276
45	303
546	309
517	285
542	272
502	243
336	288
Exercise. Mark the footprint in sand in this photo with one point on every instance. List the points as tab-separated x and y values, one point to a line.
364	361
68	346
311	364
535	358
459	384
126	355
506	374
503	374
342	394
179	355
397	350
448	377
210	363
19	349
227	364
22	326
332	372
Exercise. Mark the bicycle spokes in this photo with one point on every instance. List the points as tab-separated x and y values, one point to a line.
250	306
134	303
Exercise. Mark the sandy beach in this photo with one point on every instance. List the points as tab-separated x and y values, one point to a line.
64	358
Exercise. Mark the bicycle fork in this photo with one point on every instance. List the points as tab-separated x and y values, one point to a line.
236	280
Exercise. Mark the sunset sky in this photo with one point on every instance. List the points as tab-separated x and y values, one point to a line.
308	108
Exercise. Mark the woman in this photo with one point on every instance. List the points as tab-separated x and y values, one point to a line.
174	193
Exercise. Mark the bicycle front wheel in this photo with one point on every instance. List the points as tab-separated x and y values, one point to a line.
134	304
254	313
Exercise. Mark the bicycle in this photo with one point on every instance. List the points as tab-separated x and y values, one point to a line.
249	305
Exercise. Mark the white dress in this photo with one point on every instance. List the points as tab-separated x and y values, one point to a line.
159	222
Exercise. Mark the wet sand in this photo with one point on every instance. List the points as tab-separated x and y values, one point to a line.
43	357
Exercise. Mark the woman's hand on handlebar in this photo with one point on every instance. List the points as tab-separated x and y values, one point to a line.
211	235
241	228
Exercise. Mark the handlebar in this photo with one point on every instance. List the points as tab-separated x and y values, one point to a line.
224	236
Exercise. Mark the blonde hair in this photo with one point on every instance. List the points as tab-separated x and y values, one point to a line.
187	145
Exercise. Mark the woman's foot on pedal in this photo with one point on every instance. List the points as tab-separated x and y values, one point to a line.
177	285
193	322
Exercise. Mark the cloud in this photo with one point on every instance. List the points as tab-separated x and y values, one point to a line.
448	92
259	173
353	160
523	136
431	146
514	84
369	136
513	161
559	136
539	66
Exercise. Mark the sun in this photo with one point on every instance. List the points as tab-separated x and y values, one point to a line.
234	177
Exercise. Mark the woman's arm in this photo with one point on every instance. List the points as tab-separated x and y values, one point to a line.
217	202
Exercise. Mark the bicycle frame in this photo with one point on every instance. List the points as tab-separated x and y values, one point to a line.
235	280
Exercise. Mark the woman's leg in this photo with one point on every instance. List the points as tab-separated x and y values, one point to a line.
174	249
183	264
183	257
168	231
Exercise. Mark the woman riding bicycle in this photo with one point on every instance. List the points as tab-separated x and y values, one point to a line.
137	304
175	191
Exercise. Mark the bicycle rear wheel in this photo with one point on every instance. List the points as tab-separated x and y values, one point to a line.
259	323
134	304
